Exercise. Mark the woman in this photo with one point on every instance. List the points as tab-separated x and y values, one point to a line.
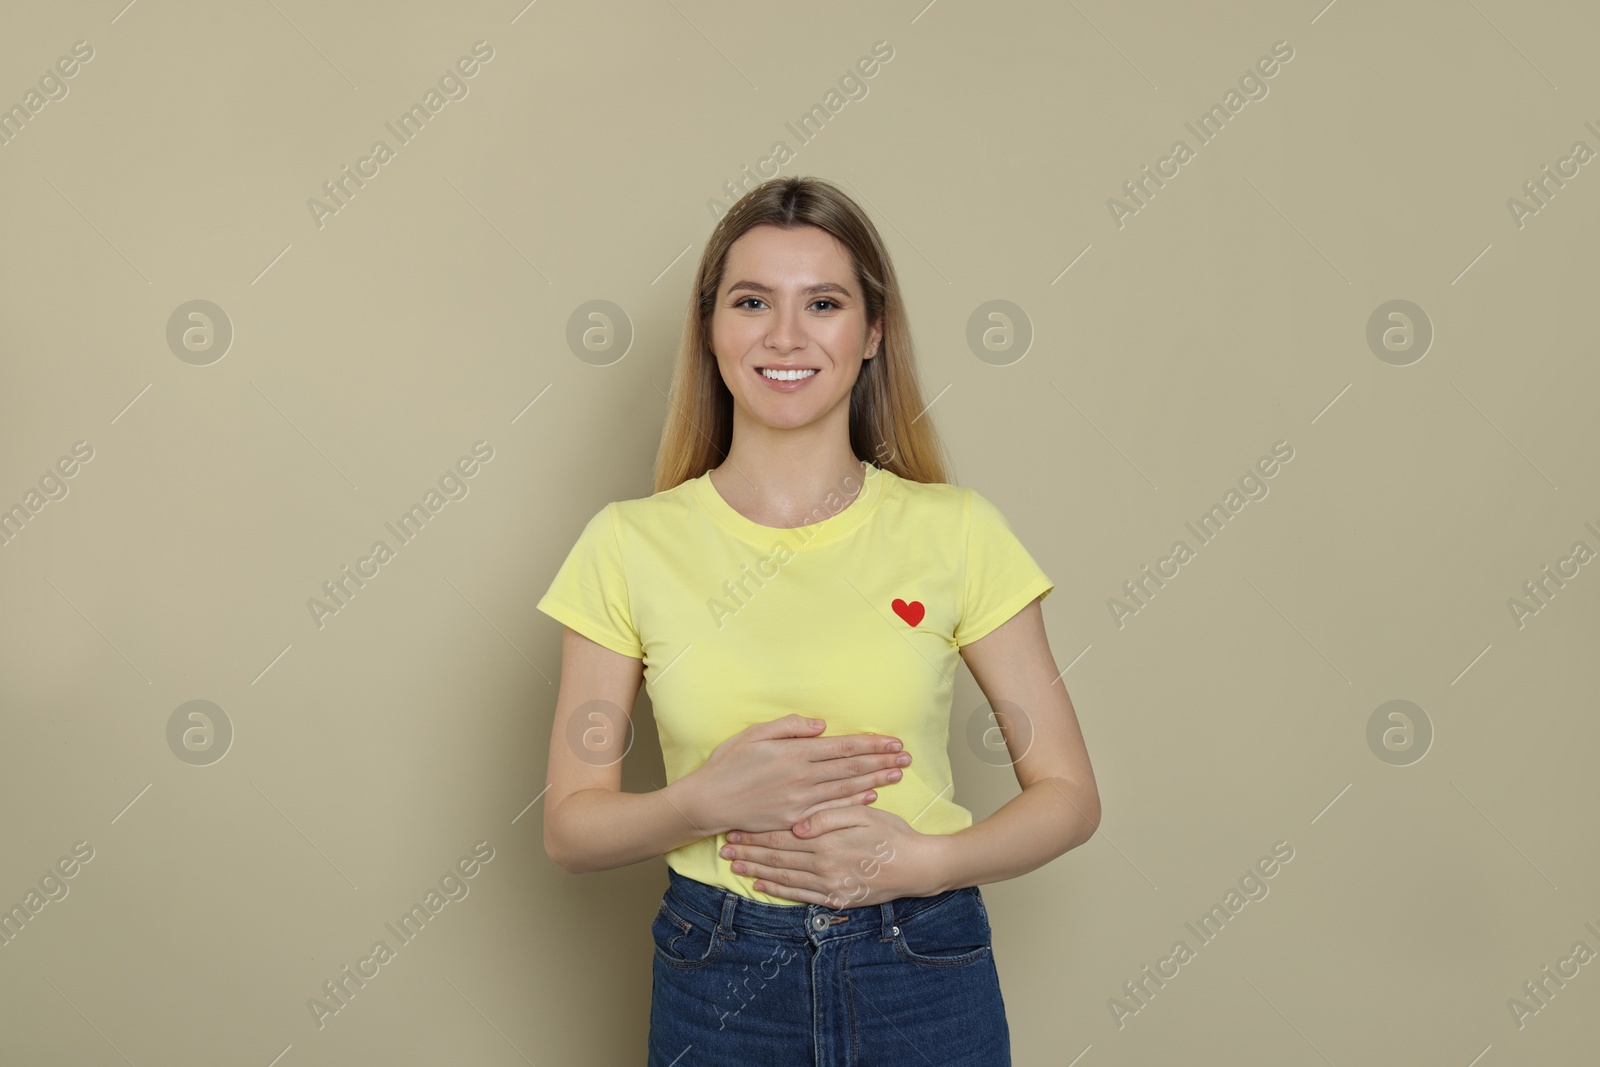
796	612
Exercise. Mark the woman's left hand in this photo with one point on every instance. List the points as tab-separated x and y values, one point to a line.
843	857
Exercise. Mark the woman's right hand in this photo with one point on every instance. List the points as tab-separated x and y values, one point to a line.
771	775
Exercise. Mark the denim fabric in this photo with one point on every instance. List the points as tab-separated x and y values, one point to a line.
737	982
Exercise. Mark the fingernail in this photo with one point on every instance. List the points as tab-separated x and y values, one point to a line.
733	835
893	746
816	724
727	852
806	825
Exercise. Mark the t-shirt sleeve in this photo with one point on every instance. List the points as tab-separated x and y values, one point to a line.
590	591
1001	577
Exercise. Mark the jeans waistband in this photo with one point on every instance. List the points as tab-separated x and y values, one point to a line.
731	912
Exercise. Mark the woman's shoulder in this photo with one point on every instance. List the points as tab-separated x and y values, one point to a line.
951	504
930	494
642	511
928	501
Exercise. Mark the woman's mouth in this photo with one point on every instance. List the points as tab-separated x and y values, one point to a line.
787	380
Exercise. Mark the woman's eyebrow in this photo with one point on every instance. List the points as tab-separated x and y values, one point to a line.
820	287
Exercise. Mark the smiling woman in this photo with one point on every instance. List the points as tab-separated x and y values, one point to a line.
809	823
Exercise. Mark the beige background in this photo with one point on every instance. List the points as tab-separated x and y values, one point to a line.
368	354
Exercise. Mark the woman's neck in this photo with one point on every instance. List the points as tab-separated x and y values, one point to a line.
788	490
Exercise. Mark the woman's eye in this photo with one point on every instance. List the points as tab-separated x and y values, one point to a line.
745	301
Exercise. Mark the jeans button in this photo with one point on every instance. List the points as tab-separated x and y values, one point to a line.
818	922
895	930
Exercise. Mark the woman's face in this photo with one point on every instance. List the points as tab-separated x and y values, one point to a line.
789	300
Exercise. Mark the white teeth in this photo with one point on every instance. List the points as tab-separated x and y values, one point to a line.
786	375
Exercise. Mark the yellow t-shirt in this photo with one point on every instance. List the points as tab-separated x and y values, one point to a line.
855	619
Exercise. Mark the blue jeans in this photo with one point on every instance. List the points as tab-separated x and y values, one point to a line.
738	982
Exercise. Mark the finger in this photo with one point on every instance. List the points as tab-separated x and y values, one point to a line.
847	745
750	856
768	884
770	838
882	774
847	775
811	889
795	725
864	797
831	819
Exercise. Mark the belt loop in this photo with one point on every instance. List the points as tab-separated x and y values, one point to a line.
730	901
889	928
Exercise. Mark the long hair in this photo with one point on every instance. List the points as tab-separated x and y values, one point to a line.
888	424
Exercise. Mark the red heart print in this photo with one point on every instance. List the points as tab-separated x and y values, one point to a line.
911	612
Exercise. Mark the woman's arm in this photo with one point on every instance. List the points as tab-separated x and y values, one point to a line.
1059	806
589	823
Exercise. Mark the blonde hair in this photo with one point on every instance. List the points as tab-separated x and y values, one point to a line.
888	424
